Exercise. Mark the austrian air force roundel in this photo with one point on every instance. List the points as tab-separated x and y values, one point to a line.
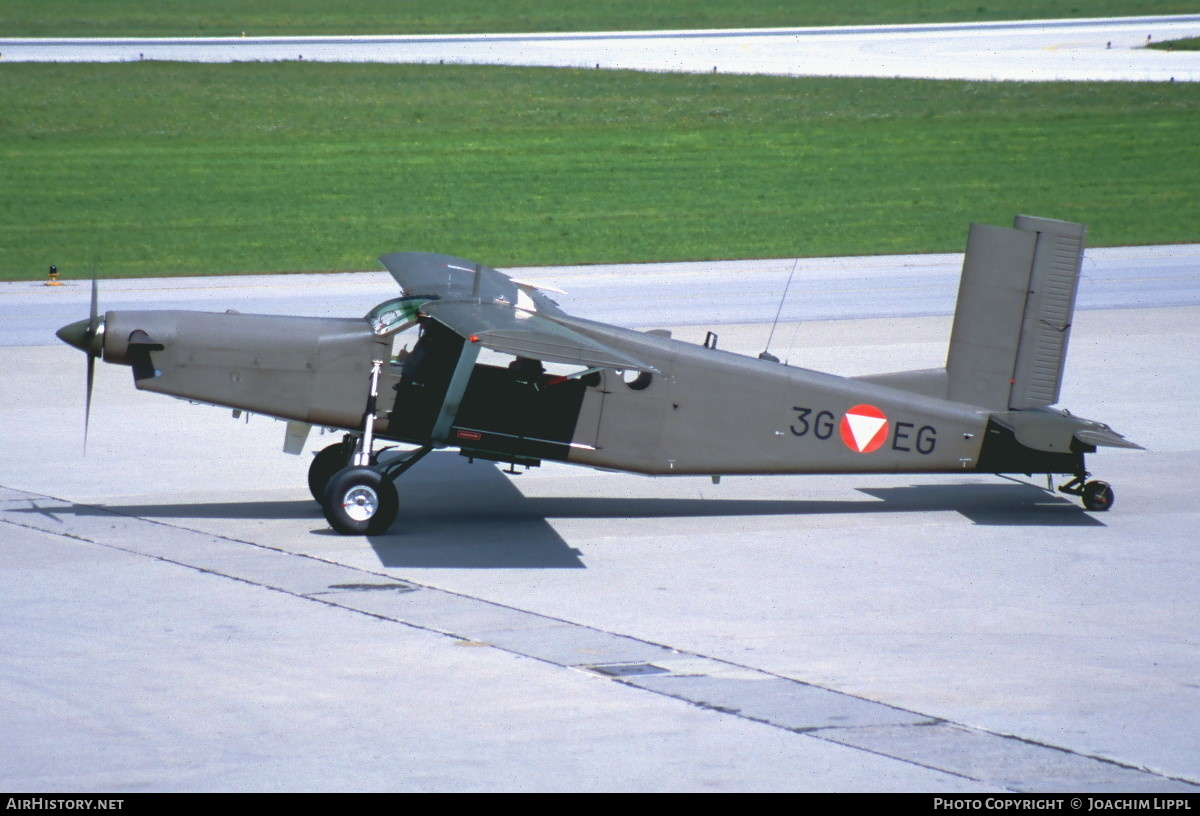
864	428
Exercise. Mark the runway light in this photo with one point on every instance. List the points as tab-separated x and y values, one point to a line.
54	281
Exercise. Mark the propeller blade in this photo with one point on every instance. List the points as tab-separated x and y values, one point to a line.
92	354
87	405
94	314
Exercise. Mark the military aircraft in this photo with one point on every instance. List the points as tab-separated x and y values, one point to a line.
469	358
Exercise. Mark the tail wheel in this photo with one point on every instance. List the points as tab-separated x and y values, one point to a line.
1097	496
324	465
360	501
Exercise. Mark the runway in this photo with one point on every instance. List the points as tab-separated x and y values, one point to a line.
1109	49
178	616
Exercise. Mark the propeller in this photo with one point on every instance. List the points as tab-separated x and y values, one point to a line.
93	353
87	336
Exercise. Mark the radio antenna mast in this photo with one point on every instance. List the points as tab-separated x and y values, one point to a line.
766	352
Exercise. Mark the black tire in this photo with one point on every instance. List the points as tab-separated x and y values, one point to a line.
326	463
1098	496
360	501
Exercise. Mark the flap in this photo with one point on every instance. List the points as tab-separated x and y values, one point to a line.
526	334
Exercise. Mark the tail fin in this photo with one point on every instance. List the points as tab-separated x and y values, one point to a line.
1013	320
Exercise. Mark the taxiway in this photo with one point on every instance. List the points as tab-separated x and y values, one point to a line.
1110	49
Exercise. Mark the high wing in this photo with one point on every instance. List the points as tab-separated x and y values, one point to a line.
445	277
497	312
526	334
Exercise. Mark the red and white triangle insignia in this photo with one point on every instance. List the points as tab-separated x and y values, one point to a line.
864	428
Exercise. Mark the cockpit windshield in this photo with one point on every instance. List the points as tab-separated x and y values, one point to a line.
395	315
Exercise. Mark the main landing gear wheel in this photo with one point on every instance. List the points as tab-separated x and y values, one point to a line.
360	501
326	463
1097	496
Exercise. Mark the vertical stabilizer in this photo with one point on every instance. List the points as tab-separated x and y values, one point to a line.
1013	318
987	320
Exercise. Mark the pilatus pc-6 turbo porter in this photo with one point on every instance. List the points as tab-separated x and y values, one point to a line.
472	359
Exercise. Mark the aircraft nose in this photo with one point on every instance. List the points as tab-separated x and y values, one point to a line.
75	334
79	334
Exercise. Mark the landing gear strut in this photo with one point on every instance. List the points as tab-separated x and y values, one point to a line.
1097	496
356	487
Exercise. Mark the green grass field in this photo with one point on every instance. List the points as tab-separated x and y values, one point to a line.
110	18
1191	44
186	169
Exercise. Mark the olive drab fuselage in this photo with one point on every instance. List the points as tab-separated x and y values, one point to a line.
470	359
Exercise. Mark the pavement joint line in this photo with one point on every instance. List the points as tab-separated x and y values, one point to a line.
910	761
825	733
817	733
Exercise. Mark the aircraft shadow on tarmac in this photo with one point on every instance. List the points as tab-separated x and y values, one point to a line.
457	515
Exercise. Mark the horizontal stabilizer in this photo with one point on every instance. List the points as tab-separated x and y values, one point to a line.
526	334
1105	437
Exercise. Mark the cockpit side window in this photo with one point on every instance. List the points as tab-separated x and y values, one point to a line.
395	315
